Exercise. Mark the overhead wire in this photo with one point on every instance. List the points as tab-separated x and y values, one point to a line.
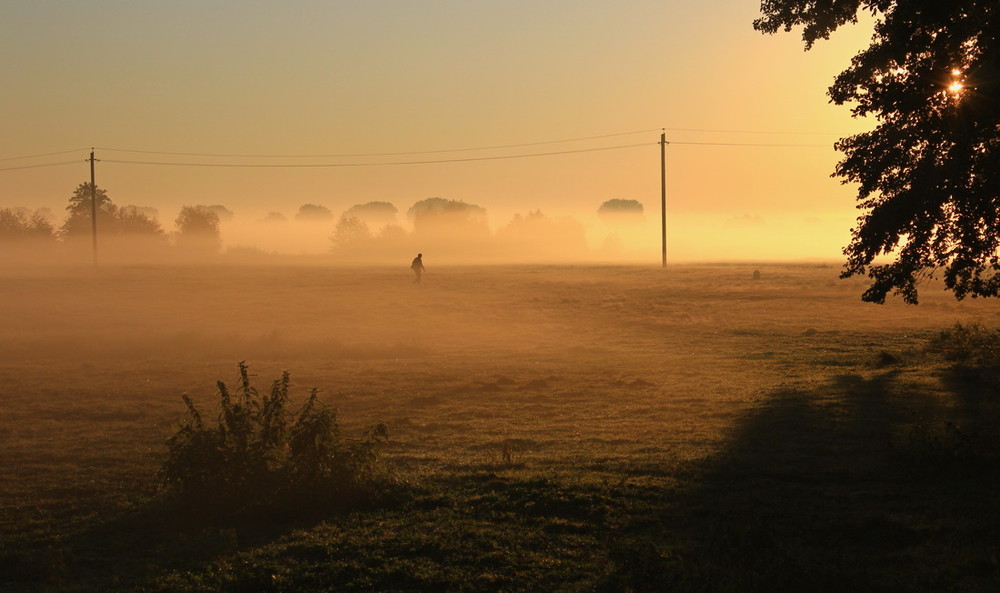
74	162
33	156
379	154
414	162
751	132
374	164
751	144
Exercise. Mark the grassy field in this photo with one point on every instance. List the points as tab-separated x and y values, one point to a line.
551	429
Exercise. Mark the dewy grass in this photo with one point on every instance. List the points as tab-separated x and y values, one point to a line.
687	429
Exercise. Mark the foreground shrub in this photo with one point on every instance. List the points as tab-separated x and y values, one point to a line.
969	344
259	453
974	354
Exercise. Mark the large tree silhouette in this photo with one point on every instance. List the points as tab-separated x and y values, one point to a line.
112	220
928	175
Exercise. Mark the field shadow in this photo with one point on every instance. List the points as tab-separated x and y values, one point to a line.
867	483
880	480
131	549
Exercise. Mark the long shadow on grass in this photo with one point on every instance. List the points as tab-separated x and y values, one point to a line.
127	550
864	484
867	483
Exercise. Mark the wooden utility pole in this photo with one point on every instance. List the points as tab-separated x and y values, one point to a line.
663	194
93	205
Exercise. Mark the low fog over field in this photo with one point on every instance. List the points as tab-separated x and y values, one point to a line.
454	231
586	315
708	332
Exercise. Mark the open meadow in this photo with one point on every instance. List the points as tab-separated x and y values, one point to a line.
551	428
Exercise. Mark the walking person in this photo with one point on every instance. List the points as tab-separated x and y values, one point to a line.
418	267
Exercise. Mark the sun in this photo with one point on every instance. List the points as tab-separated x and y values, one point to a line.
956	85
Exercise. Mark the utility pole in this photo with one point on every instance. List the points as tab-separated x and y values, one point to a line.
93	205
663	195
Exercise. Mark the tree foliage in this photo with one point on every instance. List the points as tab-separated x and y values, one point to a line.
131	221
313	212
275	217
19	224
80	209
442	221
224	214
198	229
617	208
377	214
350	233
928	175
430	208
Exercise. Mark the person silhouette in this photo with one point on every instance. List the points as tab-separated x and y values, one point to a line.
418	267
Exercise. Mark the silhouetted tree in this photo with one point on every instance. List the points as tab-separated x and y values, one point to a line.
19	225
198	229
224	214
313	212
392	232
375	214
132	220
455	218
275	217
79	221
350	234
620	209
929	174
147	211
43	212
112	221
432	207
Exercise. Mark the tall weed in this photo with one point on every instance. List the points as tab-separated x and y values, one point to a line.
260	453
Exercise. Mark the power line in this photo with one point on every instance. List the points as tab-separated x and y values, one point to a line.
373	164
402	163
751	132
415	162
752	144
76	162
33	156
377	154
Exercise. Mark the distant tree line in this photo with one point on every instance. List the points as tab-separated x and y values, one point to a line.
455	228
364	232
121	229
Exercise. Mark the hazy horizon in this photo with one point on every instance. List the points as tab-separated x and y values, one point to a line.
515	108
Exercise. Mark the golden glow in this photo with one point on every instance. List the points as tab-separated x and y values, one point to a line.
956	85
409	81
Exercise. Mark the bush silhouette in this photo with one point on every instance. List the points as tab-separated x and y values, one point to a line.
258	452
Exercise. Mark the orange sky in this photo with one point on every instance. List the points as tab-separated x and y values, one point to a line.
377	76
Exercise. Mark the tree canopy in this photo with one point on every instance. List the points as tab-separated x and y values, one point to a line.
617	208
313	212
111	219
19	224
198	229
928	174
375	213
445	207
